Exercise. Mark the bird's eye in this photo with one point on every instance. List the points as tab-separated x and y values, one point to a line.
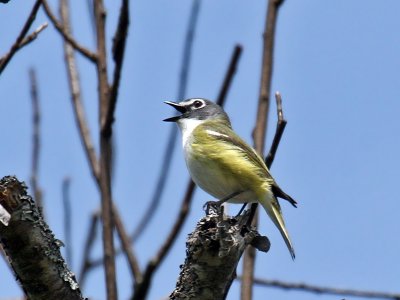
197	104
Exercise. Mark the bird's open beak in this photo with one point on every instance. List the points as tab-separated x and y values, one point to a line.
178	107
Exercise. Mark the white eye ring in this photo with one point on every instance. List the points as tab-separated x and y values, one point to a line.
198	104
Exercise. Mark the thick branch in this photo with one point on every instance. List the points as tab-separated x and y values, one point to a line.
33	251
213	252
19	41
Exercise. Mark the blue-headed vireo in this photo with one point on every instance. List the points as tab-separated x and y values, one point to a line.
224	165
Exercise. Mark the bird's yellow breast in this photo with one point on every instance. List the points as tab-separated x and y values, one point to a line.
222	167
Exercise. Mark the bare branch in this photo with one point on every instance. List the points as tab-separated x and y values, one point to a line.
237	51
33	251
304	287
17	44
280	128
126	247
171	142
119	40
66	35
260	131
105	153
33	35
142	287
91	236
67	219
76	96
35	138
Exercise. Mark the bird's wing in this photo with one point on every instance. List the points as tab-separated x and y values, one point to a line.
223	133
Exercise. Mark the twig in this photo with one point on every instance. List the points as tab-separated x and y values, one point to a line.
280	128
324	290
91	236
33	35
37	192
171	142
66	35
105	153
126	247
260	131
119	42
74	85
67	219
16	46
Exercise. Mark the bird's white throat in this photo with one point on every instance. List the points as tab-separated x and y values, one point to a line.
187	126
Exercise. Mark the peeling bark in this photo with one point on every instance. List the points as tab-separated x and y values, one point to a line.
32	250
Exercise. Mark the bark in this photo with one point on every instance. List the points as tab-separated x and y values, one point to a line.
213	251
31	247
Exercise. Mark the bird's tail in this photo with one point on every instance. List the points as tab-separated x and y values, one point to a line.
273	210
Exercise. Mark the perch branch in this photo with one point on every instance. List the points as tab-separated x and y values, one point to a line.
260	130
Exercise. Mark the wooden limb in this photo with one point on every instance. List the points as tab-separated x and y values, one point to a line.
32	250
91	236
17	44
66	35
304	287
213	252
127	249
67	219
37	192
171	142
76	95
119	42
260	131
105	154
142	287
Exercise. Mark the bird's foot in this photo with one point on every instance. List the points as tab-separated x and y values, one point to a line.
213	207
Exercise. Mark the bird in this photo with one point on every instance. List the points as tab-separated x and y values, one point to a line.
223	164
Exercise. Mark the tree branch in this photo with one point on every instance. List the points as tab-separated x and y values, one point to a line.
119	42
66	35
105	153
76	97
260	131
91	236
33	251
304	287
67	219
213	252
17	44
171	142
37	192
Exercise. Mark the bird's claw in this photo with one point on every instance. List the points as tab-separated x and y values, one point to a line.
212	207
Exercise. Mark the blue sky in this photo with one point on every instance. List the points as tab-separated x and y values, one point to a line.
337	67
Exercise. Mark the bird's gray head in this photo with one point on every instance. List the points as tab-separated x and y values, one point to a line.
197	109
